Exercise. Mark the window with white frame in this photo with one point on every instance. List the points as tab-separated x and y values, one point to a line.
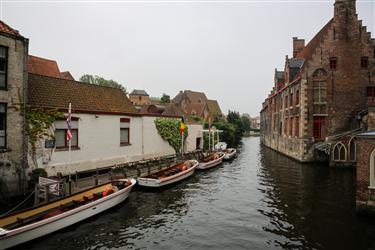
61	131
124	131
339	152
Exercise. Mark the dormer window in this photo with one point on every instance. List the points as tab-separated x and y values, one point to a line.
3	67
333	63
364	62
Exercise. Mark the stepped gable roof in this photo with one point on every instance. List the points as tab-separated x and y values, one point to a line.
5	28
213	107
309	49
50	92
42	66
139	92
66	75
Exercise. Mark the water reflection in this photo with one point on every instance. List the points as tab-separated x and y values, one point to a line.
260	200
309	206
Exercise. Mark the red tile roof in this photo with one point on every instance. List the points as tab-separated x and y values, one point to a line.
195	109
66	75
308	51
49	92
8	30
42	66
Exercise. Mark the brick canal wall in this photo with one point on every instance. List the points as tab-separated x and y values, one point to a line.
365	192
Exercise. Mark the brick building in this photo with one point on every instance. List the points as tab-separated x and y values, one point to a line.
13	84
197	104
319	98
139	97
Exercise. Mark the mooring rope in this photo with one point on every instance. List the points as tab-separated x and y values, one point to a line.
18	205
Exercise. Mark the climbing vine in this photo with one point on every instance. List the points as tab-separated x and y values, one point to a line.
39	123
169	130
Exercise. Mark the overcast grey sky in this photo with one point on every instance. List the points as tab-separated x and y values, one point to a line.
228	50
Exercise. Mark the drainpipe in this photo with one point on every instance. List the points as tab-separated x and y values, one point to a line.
25	141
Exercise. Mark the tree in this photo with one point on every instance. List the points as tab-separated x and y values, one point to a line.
98	80
165	98
246	123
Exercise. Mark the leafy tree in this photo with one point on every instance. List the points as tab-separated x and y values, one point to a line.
98	80
165	98
246	123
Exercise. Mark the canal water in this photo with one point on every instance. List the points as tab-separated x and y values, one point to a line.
260	200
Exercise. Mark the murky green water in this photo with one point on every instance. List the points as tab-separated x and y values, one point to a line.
261	200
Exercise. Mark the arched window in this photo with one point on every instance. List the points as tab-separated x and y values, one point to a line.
372	169
352	150
339	152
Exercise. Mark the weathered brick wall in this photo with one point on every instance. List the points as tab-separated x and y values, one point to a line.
12	158
365	197
348	41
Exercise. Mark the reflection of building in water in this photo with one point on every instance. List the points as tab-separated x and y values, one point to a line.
321	96
301	201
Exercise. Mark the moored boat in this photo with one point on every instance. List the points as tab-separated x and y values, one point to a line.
212	160
35	222
170	175
230	153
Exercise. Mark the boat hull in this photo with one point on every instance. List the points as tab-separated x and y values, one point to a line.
210	164
47	226
155	183
229	156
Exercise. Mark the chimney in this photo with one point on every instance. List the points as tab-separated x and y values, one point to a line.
298	46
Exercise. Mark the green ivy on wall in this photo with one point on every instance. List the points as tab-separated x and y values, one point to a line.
169	130
39	123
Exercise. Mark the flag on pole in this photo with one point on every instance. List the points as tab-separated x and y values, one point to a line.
182	128
69	123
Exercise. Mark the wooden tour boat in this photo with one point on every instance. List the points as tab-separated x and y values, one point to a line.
35	222
230	153
170	175
212	160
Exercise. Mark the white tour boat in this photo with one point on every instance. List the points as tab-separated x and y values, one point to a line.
169	175
35	222
212	160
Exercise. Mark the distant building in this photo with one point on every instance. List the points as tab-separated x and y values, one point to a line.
195	103
255	122
139	97
321	95
13	87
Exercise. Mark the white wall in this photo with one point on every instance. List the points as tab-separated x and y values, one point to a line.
194	132
99	144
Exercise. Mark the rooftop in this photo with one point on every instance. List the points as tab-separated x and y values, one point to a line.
50	92
42	66
139	92
5	28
